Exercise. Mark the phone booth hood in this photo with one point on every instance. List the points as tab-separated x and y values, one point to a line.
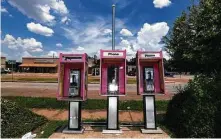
113	72
72	80
150	72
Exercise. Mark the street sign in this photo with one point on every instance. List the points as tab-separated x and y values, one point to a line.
11	61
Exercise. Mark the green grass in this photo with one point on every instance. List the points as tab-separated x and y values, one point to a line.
49	128
90	104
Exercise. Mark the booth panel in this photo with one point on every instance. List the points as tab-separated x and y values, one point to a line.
61	81
103	79
122	79
85	90
156	78
161	74
141	80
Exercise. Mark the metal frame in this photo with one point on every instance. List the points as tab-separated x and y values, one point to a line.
144	111
79	116
117	114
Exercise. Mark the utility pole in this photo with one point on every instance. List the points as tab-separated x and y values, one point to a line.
113	27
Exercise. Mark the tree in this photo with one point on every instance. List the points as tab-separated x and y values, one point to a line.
194	43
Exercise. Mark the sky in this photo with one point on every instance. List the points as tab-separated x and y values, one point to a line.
45	28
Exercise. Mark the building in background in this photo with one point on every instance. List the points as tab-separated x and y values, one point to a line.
39	65
3	62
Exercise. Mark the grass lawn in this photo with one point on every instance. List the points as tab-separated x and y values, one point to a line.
90	104
45	130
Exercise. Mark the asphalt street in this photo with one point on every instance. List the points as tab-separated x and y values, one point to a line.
170	87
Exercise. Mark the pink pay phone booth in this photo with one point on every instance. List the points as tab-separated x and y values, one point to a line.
72	77
150	73
113	83
113	72
72	87
150	82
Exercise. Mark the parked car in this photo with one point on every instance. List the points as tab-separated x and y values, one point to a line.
5	71
168	74
97	72
131	73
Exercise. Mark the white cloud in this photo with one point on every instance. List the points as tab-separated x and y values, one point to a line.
39	29
52	53
26	54
92	36
147	39
80	48
161	3
4	10
59	45
40	10
27	44
65	20
149	36
166	55
126	32
128	46
107	31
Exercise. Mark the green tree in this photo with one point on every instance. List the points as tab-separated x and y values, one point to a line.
194	43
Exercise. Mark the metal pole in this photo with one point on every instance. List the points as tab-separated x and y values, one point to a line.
113	27
113	101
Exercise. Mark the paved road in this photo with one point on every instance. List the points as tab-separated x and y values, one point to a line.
49	89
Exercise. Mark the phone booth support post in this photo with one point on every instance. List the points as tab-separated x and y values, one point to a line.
113	84
72	87
150	82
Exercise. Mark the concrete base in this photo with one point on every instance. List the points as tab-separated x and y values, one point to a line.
106	131
69	131
152	131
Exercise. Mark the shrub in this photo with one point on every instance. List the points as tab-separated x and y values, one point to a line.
195	110
16	121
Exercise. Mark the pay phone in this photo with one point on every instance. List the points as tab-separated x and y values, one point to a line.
113	79
113	84
74	87
113	72
148	79
150	82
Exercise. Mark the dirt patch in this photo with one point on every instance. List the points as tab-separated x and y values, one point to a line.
91	132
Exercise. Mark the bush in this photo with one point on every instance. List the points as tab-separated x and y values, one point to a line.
16	121
195	110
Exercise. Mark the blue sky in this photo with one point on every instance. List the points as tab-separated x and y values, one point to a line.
46	27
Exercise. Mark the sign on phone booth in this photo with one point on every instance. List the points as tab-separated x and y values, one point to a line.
150	82
113	83
113	72
72	87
